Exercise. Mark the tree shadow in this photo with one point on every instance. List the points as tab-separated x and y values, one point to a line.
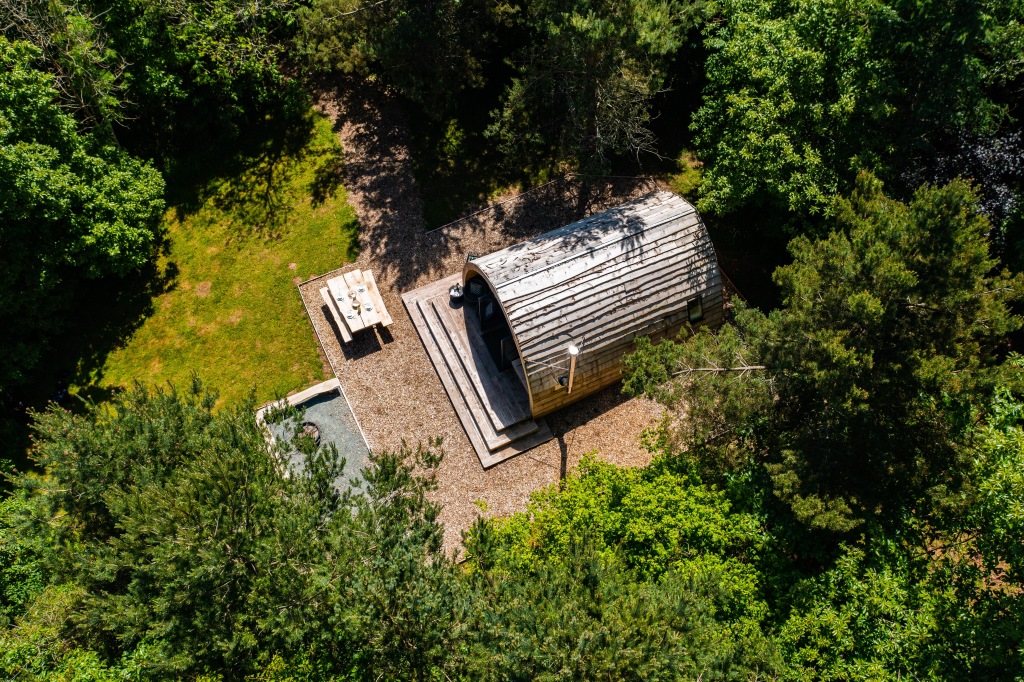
569	418
100	315
327	179
106	314
242	175
97	317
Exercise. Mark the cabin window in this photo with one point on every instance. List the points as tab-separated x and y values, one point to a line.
695	309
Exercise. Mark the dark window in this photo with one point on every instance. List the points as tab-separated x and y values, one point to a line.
695	309
476	288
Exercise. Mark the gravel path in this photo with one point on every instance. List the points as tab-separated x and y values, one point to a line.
387	375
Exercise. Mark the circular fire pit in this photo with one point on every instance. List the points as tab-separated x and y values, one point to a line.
311	430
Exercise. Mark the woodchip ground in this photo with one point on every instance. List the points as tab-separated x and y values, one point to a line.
387	376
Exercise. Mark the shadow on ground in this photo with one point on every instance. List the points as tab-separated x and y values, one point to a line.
99	316
379	173
571	417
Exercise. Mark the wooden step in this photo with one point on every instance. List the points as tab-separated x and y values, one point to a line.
439	352
495	438
507	402
448	381
471	394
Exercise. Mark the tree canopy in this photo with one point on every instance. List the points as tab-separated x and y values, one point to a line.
585	81
890	331
835	489
159	538
803	95
73	206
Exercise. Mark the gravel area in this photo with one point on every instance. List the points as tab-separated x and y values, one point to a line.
337	426
387	375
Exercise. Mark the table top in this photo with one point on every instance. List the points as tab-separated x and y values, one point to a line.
357	299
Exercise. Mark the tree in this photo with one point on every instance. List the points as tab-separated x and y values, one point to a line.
425	50
155	73
72	207
889	332
586	79
196	68
162	539
87	73
657	516
875	615
801	95
621	574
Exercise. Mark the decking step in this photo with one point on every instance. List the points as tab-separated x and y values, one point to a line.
471	394
507	403
448	381
495	437
480	413
440	354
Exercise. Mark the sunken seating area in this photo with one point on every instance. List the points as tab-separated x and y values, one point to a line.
472	351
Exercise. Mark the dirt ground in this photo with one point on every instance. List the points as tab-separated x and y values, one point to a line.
387	375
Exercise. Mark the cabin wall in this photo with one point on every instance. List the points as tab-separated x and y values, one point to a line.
597	368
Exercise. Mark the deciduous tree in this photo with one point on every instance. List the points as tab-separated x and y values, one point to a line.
801	95
71	205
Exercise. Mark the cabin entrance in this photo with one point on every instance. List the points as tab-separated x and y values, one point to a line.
482	306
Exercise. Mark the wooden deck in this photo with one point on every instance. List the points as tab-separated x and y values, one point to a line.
493	406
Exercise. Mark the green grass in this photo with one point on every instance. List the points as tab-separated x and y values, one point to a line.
236	248
687	180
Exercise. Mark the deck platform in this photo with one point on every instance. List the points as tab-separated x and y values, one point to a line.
492	405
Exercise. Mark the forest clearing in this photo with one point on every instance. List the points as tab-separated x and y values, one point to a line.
508	340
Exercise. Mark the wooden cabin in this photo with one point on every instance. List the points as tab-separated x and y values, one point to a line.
568	304
545	322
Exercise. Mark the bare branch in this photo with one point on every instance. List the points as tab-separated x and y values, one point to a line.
718	370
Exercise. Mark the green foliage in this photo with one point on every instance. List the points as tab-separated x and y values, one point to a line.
656	517
620	574
389	606
585	617
890	610
164	70
801	95
996	513
162	540
36	648
87	73
867	618
22	565
187	528
196	67
171	544
72	208
687	180
426	50
889	332
586	78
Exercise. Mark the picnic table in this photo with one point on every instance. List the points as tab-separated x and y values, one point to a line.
355	302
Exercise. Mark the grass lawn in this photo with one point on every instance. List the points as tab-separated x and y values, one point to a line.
236	247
